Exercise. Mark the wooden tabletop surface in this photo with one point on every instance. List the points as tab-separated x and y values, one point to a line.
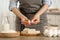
32	38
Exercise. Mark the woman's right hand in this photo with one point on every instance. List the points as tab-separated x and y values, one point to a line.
25	21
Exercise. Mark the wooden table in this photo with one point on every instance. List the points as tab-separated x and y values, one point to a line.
31	38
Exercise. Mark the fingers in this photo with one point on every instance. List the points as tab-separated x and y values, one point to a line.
35	21
29	23
26	22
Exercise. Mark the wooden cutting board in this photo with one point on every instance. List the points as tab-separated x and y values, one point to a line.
26	34
10	35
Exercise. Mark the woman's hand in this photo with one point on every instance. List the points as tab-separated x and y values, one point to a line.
25	21
36	19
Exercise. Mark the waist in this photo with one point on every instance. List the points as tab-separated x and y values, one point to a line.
27	11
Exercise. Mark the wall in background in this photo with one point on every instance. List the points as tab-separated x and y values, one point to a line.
55	4
4	11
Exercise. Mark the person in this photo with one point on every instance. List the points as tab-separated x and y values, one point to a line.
31	13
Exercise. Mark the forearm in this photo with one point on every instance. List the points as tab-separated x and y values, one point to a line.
42	10
18	13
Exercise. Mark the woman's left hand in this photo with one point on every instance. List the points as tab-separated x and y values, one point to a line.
36	19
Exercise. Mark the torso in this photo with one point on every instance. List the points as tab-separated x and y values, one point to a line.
30	5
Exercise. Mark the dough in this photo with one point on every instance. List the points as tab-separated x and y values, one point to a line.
30	31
